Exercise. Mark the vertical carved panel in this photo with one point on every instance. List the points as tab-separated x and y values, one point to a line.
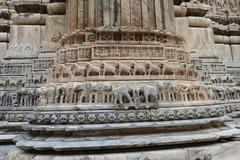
169	15
112	13
81	14
117	11
159	14
106	12
91	14
165	14
85	13
125	13
74	14
67	16
98	13
145	15
136	15
151	13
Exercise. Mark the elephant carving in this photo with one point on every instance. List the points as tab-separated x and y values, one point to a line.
138	69
93	70
149	93
47	94
123	69
122	96
108	69
78	70
153	69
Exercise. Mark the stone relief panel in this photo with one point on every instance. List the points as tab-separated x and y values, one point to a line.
25	41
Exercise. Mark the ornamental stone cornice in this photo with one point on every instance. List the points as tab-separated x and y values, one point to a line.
195	8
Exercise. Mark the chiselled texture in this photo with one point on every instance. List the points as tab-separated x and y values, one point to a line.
136	15
106	12
81	18
119	75
91	13
99	13
125	13
146	14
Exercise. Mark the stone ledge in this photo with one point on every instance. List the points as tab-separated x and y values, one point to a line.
71	143
222	151
126	126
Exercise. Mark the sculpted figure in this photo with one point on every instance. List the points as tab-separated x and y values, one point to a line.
122	95
170	68
108	69
138	69
123	69
80	89
153	69
191	68
66	71
78	70
62	93
93	70
14	99
150	94
47	94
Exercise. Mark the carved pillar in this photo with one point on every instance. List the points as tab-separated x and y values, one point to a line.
117	10
159	14
91	14
145	17
98	10
106	12
72	15
169	15
125	13
81	18
136	13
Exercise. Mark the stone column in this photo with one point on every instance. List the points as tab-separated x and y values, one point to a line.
72	15
117	10
55	26
125	13
168	8
91	14
136	13
106	12
81	18
98	10
159	14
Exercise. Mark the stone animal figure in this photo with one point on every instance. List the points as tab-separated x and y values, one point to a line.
191	68
66	71
107	68
173	68
150	94
78	70
123	69
47	94
122	92
138	69
93	70
5	99
153	69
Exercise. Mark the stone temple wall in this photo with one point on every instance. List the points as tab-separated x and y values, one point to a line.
147	79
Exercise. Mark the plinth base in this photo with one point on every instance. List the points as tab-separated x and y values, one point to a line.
220	151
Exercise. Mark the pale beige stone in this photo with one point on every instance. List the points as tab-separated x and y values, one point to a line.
180	11
4	37
224	52
221	39
56	8
29	19
113	74
199	22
